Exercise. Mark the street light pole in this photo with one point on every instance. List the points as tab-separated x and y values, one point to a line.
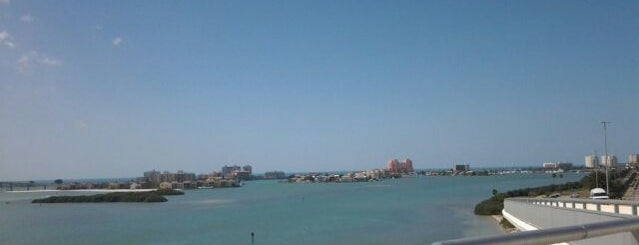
607	159
597	166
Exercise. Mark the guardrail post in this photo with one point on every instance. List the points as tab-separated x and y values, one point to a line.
598	207
616	208
573	205
584	204
634	210
564	204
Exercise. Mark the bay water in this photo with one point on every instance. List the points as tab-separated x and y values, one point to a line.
411	210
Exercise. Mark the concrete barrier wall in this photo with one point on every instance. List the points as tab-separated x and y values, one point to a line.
544	217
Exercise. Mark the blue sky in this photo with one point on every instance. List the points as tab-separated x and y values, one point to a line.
114	88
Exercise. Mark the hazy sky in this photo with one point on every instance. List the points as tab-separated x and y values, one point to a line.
114	88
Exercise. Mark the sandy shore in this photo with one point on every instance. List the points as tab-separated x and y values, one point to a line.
86	190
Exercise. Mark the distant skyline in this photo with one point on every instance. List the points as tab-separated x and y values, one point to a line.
92	89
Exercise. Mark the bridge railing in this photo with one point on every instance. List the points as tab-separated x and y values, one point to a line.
601	205
553	235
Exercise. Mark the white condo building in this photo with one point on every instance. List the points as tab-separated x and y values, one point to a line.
633	159
610	161
591	161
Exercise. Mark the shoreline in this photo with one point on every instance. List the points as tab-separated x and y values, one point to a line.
85	190
498	219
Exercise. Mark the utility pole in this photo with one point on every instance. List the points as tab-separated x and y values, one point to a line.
596	171
607	159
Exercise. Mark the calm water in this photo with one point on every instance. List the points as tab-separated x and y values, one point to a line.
417	210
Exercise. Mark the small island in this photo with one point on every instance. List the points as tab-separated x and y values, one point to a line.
149	196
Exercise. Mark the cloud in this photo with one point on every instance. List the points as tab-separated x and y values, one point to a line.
6	39
27	18
33	59
117	41
5	2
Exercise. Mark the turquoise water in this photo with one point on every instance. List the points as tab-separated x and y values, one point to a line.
416	210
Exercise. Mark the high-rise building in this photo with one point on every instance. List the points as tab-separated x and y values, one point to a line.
393	166
397	167
167	177
549	165
610	161
633	159
407	166
152	176
591	161
228	170
181	176
247	168
178	177
461	168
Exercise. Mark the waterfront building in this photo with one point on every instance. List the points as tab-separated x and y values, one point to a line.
241	175
393	165
609	161
360	176
591	161
247	168
404	167
557	165
152	176
178	177
181	177
228	170
218	182
375	174
274	175
166	185
461	168
166	177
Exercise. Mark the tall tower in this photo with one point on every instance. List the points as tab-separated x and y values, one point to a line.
591	161
393	165
408	166
609	161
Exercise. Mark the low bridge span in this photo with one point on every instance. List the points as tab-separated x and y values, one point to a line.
566	221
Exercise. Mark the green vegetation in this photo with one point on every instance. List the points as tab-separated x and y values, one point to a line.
618	186
491	206
150	196
506	224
